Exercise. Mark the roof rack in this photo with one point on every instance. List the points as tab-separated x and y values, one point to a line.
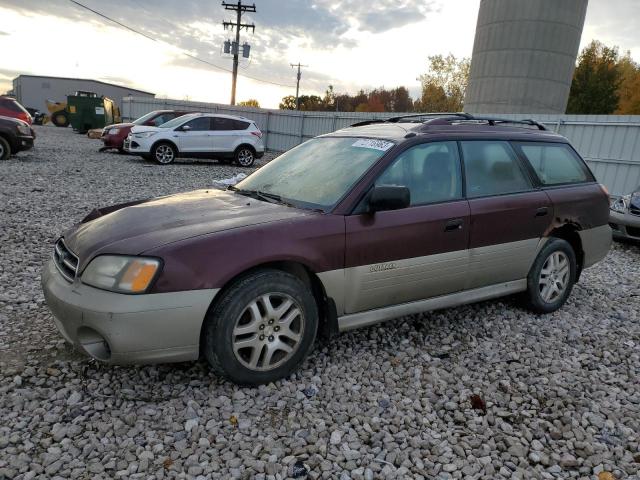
449	118
434	115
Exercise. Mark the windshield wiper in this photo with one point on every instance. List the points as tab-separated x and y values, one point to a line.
257	194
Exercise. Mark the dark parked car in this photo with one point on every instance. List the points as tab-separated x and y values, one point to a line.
37	116
113	136
625	216
15	136
10	107
346	230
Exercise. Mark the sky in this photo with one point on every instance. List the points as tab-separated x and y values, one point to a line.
350	44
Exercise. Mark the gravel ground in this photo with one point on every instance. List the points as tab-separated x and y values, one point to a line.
481	391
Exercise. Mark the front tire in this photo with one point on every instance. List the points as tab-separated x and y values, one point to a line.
5	149
245	156
551	277
60	119
261	329
164	153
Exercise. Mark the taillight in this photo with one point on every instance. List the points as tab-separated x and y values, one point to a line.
257	134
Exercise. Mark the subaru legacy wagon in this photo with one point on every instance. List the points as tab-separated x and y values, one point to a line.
360	226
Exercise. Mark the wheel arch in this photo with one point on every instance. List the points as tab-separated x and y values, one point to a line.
327	315
569	233
164	140
12	144
244	144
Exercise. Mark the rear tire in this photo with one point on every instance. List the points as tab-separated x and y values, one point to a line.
551	277
5	149
164	153
261	329
245	156
60	119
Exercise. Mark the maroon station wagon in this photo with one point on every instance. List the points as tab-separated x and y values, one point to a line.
366	224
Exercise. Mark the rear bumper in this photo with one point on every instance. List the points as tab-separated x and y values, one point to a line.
124	329
596	243
625	225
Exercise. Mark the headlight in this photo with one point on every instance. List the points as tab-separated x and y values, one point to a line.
24	129
113	131
144	134
121	274
620	205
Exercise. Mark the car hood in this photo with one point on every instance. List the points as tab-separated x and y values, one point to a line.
145	128
136	227
120	125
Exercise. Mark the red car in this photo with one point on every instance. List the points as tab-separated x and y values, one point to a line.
113	135
9	107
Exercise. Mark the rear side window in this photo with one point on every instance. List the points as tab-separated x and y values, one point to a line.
240	125
555	163
492	168
12	105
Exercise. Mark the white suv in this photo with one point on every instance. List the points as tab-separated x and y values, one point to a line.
200	135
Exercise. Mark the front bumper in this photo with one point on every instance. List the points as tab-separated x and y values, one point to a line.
124	329
112	141
138	145
25	142
624	225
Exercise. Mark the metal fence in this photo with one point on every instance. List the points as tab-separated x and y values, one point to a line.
609	143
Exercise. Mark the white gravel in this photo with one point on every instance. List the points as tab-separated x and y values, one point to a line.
482	391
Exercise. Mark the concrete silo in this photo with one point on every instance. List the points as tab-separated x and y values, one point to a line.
524	55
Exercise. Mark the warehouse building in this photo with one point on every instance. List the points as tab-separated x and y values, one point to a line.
33	90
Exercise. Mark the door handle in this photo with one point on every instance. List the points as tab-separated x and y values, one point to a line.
453	225
542	211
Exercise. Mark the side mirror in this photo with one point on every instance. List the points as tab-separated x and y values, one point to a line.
389	197
185	128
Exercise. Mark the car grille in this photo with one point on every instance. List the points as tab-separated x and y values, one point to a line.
65	260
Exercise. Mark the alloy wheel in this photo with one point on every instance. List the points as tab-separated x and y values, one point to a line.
554	277
245	157
2	151
164	154
268	332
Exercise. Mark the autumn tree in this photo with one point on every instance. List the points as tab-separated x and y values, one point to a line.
377	100
307	102
629	88
594	89
252	102
444	85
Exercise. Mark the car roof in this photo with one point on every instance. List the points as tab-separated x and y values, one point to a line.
221	115
450	128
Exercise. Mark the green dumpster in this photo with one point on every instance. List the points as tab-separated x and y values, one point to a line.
87	111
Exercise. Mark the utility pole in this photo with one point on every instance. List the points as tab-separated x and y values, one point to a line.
239	8
299	76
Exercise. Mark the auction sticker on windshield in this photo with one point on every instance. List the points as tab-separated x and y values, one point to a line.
382	145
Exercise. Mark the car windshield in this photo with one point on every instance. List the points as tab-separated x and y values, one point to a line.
176	122
144	118
317	173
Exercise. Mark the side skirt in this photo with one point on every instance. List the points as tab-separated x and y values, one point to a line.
371	317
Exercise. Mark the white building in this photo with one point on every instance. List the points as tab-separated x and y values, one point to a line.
33	90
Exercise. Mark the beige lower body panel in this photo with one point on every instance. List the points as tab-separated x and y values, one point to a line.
596	243
369	287
371	317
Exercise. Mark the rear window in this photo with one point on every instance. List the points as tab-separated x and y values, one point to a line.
555	163
240	125
12	105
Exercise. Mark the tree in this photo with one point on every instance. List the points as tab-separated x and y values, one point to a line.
307	102
629	89
594	89
252	102
444	85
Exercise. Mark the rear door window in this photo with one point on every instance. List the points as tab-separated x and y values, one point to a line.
555	163
240	125
221	123
492	168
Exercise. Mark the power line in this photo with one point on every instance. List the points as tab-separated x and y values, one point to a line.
182	51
